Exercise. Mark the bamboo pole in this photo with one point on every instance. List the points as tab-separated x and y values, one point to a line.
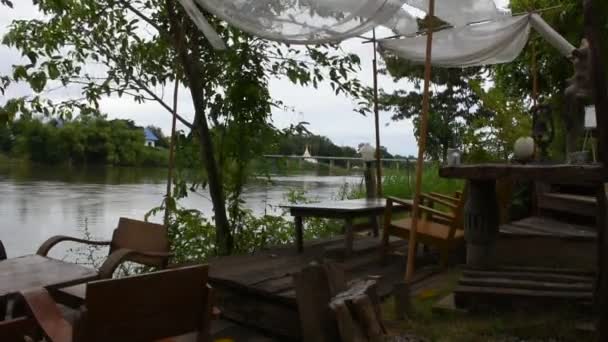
411	251
534	75
172	150
377	121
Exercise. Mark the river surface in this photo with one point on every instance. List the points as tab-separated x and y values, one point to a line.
37	202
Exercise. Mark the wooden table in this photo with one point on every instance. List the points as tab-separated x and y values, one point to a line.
347	210
481	209
35	271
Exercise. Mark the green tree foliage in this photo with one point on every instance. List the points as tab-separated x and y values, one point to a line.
553	69
89	140
454	103
141	45
492	138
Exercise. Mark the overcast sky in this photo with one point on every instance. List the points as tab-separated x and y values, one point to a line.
328	114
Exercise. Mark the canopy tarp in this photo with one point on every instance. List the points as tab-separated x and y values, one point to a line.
459	12
331	21
493	42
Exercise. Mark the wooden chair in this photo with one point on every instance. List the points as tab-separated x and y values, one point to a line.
148	307
443	230
135	241
21	329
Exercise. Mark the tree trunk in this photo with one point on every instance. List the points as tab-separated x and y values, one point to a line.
193	75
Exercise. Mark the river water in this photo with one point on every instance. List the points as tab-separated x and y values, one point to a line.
37	202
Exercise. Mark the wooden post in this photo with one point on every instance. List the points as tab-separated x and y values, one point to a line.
370	181
411	250
402	300
171	151
534	75
371	193
600	97
299	226
377	119
481	221
315	286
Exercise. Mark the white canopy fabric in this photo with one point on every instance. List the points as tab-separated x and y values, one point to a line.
311	21
494	42
460	12
330	21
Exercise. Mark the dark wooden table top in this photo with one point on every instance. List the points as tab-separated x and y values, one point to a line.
35	271
340	207
566	173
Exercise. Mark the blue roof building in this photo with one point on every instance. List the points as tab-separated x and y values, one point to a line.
150	137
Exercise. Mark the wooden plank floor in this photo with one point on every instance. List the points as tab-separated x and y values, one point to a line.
257	290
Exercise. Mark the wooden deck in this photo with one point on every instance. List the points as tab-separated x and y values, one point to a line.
257	290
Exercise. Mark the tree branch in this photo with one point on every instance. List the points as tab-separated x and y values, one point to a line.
143	17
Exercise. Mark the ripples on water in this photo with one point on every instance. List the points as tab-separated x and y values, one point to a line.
37	202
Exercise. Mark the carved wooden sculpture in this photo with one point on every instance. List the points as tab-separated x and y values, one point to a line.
578	93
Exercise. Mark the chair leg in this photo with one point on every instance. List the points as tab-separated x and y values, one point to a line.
384	246
3	308
444	254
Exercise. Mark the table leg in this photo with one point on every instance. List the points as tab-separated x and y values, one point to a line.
373	221
348	224
3	307
299	233
481	220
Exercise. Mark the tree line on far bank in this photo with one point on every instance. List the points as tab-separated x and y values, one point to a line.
96	140
87	140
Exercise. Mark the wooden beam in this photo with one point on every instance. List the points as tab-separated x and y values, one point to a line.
171	152
377	119
411	251
563	173
600	97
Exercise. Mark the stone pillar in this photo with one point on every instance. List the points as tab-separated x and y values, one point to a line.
481	220
331	164
347	165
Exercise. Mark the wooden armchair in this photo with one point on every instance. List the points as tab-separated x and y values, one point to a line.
443	230
148	307
136	241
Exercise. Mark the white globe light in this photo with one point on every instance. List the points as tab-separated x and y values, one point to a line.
368	153
524	149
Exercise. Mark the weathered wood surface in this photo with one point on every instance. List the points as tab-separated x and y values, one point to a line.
258	290
357	312
513	286
545	251
562	173
568	203
315	285
35	271
347	210
545	226
367	205
593	34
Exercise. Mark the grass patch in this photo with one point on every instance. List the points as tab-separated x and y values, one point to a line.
401	183
556	324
